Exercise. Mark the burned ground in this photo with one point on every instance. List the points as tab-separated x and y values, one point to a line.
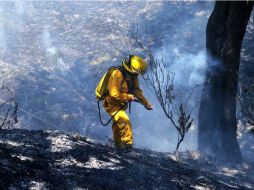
54	160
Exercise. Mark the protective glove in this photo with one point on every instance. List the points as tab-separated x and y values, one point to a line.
149	106
132	98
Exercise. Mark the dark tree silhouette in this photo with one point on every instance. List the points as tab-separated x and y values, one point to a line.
217	116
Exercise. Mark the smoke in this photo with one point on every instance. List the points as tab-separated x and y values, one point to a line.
46	40
2	31
183	51
56	62
157	131
189	69
64	48
19	6
2	36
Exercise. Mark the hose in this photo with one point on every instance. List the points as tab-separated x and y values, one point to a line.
112	117
105	124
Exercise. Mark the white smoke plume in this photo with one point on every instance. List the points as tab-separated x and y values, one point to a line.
61	50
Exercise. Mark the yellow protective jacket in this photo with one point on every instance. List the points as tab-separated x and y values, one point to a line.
118	90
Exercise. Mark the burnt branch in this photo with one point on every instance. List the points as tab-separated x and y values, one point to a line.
161	80
8	108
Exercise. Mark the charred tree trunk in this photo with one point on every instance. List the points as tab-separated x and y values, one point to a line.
217	116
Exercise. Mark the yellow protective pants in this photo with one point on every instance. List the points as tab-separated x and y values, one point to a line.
122	130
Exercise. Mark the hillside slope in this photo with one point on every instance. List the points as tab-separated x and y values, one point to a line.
53	160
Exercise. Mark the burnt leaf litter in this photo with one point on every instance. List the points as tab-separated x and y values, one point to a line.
55	160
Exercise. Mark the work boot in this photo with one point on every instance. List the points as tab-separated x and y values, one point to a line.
128	148
119	150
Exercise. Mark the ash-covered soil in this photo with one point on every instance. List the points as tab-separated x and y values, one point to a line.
54	160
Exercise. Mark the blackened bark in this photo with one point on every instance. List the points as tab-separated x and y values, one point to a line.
217	116
209	125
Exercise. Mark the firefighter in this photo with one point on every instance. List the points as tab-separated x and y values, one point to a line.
123	87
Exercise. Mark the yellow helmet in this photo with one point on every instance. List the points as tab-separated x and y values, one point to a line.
135	65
